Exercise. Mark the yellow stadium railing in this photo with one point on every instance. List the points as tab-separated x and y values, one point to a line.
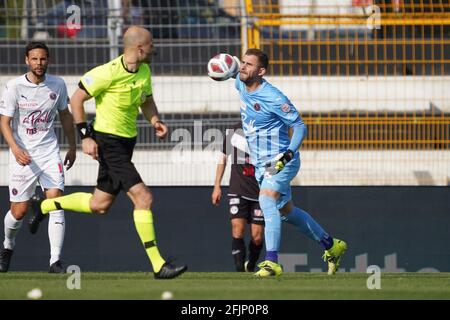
393	38
377	131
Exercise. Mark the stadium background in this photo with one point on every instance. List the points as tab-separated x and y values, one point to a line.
370	79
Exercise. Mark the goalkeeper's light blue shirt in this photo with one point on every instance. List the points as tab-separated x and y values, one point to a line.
267	114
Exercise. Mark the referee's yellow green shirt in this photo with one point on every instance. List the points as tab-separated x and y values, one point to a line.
118	95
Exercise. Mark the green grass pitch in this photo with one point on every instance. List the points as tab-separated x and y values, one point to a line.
227	286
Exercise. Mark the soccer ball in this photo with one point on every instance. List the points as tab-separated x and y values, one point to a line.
222	67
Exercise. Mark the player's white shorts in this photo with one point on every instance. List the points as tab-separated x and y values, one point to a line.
48	171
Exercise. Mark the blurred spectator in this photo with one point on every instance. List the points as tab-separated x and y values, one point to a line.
163	18
54	20
132	12
231	7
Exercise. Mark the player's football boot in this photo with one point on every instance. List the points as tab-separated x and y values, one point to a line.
334	254
37	216
170	271
5	259
57	267
268	269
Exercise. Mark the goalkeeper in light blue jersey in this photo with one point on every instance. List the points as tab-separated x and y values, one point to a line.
267	116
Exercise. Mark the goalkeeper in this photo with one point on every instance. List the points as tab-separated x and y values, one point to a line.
267	116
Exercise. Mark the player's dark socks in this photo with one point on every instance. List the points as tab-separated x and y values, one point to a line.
272	256
238	252
326	241
5	259
253	255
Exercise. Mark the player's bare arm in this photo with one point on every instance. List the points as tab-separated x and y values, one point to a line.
66	119
217	192
150	112
22	156
88	145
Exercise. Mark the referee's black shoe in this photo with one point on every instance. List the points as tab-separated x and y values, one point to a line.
37	216
5	259
169	271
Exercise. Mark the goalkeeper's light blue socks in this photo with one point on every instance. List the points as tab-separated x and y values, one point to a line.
309	227
298	217
272	229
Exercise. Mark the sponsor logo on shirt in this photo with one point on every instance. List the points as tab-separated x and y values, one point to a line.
36	117
248	171
234	201
31	131
28	105
18	178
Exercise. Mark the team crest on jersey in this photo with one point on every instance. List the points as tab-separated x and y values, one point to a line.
257	106
53	95
285	108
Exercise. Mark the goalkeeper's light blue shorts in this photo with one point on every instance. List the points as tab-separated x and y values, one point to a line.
280	182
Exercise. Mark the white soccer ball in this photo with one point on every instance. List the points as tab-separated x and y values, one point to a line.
34	294
222	67
167	295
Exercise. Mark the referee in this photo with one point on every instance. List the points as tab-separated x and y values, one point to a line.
120	88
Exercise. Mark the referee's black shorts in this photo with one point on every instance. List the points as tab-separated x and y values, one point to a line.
116	171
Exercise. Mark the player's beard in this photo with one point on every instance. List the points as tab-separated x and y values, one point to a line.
244	77
39	73
247	79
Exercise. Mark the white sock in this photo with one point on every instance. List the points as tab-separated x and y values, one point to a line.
12	226
56	230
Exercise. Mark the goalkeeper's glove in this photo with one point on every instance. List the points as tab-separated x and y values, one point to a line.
277	164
